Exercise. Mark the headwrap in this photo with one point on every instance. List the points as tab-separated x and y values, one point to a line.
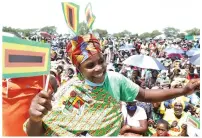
81	48
181	100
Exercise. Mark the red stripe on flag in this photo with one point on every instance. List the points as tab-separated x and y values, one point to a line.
22	52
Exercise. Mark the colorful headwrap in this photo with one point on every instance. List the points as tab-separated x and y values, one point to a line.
81	48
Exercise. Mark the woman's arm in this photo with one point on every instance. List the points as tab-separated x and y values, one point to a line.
158	95
34	128
139	130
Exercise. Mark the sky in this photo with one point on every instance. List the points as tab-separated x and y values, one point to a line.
136	16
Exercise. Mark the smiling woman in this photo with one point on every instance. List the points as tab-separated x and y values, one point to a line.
89	104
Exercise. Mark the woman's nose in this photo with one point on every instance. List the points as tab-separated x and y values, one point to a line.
98	67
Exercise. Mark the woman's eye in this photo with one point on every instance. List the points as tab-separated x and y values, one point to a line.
101	61
90	65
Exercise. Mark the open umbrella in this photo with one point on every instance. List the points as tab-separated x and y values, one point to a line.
193	51
179	56
143	61
173	50
126	47
195	60
45	34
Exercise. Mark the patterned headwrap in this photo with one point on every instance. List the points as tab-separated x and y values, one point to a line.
81	48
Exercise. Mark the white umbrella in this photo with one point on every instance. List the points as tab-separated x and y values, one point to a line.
126	47
143	61
193	51
173	50
195	60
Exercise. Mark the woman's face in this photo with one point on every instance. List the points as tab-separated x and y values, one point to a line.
94	68
178	108
135	74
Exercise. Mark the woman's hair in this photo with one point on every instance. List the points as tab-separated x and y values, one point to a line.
161	121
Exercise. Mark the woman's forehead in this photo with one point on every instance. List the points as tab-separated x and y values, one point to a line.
94	58
178	103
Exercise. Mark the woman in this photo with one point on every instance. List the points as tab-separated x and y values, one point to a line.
177	118
135	120
89	104
135	77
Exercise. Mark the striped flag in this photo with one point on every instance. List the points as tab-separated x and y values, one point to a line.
193	121
23	58
90	18
71	14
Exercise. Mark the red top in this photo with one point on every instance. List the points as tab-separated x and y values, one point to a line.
189	77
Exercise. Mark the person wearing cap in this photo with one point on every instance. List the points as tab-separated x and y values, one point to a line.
90	103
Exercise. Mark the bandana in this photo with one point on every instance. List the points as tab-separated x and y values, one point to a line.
80	48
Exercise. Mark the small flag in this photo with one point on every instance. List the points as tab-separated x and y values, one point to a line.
193	122
71	13
90	18
23	58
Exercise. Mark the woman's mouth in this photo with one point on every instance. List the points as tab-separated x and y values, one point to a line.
99	75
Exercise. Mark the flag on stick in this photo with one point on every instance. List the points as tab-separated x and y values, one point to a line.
71	14
90	18
23	58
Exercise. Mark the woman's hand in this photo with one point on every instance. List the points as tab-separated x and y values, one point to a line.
40	106
174	124
151	122
193	85
124	129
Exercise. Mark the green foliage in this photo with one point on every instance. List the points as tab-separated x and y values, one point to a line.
145	35
83	28
49	29
194	31
122	34
155	33
181	35
171	32
102	33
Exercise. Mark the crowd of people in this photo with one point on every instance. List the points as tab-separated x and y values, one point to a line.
160	118
168	117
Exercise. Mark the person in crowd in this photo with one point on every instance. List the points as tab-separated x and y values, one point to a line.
162	129
135	120
177	118
91	100
191	74
135	77
17	94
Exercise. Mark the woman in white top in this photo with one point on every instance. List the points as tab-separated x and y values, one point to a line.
135	120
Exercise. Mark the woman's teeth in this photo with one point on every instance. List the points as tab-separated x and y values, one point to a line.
99	75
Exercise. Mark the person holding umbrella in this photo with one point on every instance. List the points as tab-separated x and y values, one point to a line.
90	103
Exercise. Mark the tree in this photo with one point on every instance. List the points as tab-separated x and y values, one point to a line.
181	35
194	31
155	33
49	29
133	36
171	32
144	35
83	28
102	33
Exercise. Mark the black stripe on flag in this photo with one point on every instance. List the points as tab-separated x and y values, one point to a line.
70	17
25	58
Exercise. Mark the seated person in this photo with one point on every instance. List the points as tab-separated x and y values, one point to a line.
162	129
135	120
176	117
156	114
